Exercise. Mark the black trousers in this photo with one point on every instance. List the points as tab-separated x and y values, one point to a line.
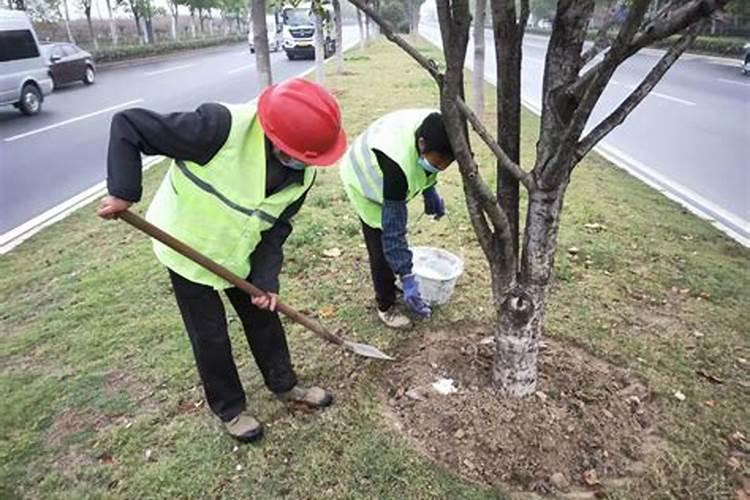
383	279
206	323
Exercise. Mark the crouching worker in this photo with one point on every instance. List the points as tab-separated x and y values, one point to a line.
397	158
240	172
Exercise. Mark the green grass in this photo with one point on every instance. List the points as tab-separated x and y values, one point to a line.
96	368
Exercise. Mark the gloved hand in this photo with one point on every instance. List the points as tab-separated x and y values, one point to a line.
413	298
433	203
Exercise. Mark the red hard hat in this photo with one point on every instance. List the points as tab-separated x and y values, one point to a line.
303	120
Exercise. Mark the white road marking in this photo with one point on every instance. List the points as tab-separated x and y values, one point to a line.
656	94
241	68
725	80
72	120
19	234
167	70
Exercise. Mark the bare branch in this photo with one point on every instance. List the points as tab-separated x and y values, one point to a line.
429	64
601	40
631	102
512	167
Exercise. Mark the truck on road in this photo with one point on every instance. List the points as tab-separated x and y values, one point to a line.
298	30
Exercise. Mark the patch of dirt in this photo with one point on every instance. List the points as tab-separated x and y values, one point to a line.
118	381
71	422
587	427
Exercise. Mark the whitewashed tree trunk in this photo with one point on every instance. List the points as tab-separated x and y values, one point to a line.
175	18
193	28
67	22
362	37
112	26
480	12
260	41
319	50
339	36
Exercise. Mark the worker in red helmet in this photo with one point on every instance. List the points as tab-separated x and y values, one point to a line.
239	174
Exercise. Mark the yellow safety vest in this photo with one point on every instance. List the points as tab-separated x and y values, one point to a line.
221	208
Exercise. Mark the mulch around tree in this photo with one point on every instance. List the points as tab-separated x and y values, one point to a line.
588	427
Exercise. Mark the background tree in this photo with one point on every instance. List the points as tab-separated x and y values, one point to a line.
480	11
66	12
337	19
260	42
573	83
320	18
85	6
111	21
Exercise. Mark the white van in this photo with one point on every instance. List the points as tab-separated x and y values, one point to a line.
24	73
274	34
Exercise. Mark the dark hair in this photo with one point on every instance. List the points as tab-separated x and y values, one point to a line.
432	130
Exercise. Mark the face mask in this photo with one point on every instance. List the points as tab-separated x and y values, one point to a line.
427	166
290	162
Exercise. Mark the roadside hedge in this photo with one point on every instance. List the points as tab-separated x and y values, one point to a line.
125	52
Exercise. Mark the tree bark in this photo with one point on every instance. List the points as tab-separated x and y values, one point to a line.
112	25
478	71
260	41
193	27
319	49
339	36
67	22
87	13
174	6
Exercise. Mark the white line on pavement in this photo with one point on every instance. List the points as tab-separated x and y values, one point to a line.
19	234
725	80
656	94
72	120
241	68
167	70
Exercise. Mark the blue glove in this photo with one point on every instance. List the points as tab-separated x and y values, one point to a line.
413	298
433	203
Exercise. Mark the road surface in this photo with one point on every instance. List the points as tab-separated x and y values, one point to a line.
60	153
687	138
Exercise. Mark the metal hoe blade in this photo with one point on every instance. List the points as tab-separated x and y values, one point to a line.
366	350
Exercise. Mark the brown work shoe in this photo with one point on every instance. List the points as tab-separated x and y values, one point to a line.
244	428
314	397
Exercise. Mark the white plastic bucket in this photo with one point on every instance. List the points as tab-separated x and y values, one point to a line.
436	271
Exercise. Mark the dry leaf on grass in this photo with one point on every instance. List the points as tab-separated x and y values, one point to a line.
327	312
590	477
332	253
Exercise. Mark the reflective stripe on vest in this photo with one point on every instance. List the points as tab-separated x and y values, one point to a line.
200	183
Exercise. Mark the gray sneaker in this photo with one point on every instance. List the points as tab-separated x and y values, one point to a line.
313	397
393	318
244	428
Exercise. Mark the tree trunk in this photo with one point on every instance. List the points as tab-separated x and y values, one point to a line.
339	36
508	52
193	28
478	74
522	313
67	22
175	18
319	50
260	41
362	37
112	25
367	29
138	29
87	12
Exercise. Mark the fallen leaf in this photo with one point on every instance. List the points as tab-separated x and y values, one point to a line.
573	250
559	480
542	396
238	468
415	394
595	226
711	378
327	312
444	386
736	438
459	434
332	253
698	334
590	477
149	456
680	396
710	403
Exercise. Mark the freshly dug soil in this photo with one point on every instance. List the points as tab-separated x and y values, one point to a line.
587	427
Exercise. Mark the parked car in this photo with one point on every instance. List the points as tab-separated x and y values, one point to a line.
24	75
69	63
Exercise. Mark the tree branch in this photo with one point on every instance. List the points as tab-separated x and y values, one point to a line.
429	64
629	104
509	165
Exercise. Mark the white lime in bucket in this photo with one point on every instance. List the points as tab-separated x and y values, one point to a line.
437	272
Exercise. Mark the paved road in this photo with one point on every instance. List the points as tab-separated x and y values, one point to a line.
51	157
687	138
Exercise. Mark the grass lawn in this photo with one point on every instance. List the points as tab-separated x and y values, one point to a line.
101	397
